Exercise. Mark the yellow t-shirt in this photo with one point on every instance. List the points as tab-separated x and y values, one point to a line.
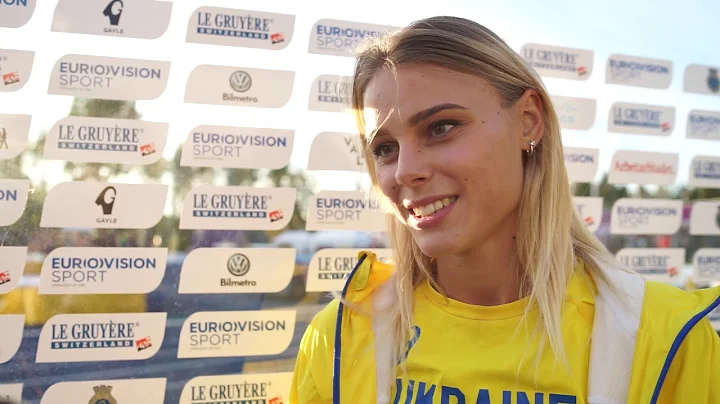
466	354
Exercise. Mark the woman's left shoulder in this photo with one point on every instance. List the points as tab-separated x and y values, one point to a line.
668	307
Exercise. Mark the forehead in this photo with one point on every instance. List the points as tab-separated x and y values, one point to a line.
401	93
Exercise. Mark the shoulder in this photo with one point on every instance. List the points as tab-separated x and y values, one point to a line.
667	307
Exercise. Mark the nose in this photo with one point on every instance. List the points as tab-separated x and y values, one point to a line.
414	166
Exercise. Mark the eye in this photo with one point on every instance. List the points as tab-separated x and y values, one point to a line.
442	127
384	150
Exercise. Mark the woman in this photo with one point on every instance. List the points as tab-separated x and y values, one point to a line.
498	292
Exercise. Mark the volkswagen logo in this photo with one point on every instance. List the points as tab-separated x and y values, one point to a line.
238	264
240	81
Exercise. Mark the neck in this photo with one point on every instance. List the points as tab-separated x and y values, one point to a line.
486	275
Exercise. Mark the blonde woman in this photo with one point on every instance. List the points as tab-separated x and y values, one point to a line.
498	293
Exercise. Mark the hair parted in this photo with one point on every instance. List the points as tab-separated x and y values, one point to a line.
552	238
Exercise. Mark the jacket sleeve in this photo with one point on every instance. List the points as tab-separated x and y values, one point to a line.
694	375
312	376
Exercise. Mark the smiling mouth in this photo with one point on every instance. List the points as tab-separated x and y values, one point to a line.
432	208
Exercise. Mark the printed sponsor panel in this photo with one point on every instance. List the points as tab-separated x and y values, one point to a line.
581	163
575	113
146	19
101	337
706	265
105	140
655	264
329	268
12	266
638	71
701	79
336	151
345	210
233	147
109	78
14	130
590	209
12	326
237	270
239	86
16	13
341	38
238	208
236	333
705	218
705	172
267	388
13	198
559	62
102	270
646	216
104	205
244	28
641	119
635	167
703	125
330	93
11	393
146	391
15	66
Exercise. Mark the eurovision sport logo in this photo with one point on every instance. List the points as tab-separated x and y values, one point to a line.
146	391
345	210
244	28
559	62
701	79
13	198
641	119
265	388
329	268
655	264
15	67
237	270
101	337
99	270
233	147
16	13
635	167
703	125
14	130
590	209
109	78
705	218
336	151
575	113
12	266
330	93
341	38
236	333
238	208
706	265
104	140
705	172
581	164
239	86
145	19
11	393
646	216
12	326
638	72
104	205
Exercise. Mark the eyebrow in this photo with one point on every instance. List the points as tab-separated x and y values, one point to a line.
427	113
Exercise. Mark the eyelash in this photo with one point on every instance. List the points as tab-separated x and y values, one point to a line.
453	123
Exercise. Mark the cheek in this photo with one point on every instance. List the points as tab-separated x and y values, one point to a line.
386	180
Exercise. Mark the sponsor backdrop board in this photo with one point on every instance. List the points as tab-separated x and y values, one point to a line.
183	188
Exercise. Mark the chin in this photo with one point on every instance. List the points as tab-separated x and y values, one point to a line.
436	246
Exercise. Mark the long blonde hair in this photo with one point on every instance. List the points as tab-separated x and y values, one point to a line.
552	237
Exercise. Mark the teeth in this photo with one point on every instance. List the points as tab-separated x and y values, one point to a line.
431	208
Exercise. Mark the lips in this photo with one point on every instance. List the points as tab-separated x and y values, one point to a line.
427	209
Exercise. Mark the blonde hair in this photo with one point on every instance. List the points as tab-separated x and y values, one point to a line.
552	238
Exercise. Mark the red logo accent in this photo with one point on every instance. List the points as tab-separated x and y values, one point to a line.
4	277
582	71
666	126
276	215
143	343
276	400
10	78
277	38
672	271
147	149
589	220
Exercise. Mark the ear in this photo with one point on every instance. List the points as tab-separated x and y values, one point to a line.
530	111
